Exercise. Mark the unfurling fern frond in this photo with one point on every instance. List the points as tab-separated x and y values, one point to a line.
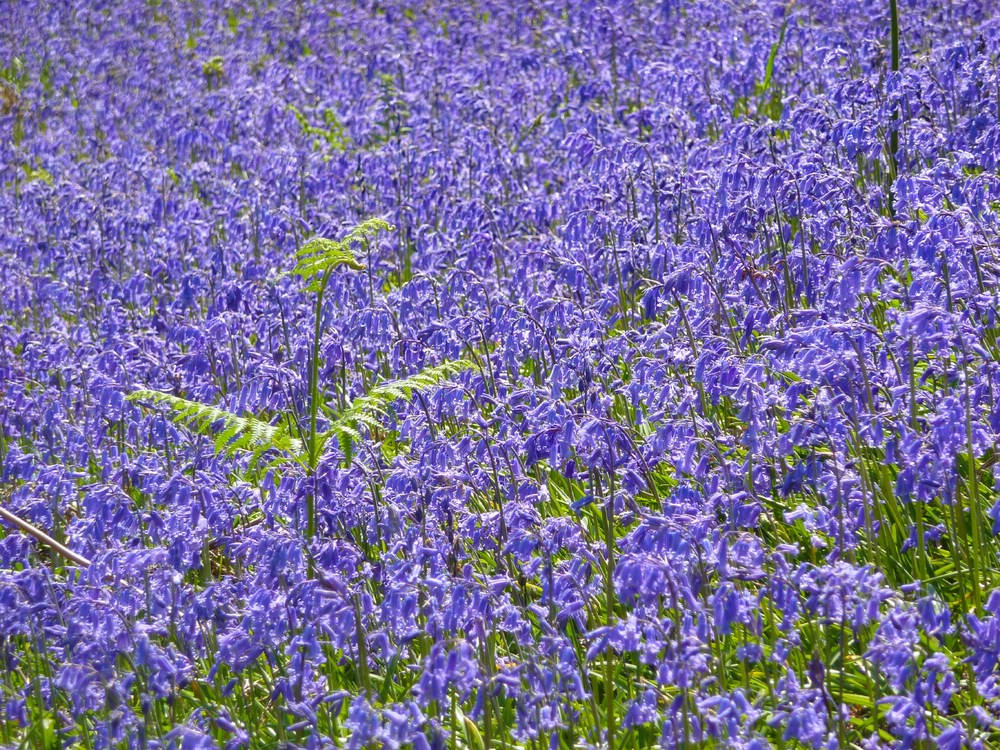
319	256
231	432
366	410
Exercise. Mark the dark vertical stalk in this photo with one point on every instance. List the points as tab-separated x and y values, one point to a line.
614	76
894	127
313	444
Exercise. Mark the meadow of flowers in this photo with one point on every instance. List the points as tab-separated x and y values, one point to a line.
495	375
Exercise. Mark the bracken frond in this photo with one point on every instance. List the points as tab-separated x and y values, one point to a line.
230	432
365	410
320	255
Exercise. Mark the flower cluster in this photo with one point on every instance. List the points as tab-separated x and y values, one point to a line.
719	465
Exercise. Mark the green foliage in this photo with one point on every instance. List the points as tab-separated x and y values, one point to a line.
320	256
213	71
231	432
769	96
13	80
38	173
366	410
15	74
772	56
332	134
395	112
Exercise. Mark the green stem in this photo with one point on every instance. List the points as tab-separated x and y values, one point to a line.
314	407
975	508
893	128
609	589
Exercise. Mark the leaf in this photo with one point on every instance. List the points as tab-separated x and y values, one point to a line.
774	106
365	410
320	256
230	432
775	48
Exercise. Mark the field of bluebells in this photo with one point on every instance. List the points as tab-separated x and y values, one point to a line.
458	375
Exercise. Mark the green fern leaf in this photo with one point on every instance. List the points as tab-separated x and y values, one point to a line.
320	255
365	410
230	432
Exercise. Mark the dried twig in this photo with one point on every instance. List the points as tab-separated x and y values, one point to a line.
44	538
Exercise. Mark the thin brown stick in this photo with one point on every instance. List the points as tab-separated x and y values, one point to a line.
44	538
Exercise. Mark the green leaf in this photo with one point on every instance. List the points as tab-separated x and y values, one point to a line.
365	410
230	432
320	256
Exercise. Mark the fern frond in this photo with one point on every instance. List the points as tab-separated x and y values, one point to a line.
365	410
333	135
369	421
231	433
320	255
